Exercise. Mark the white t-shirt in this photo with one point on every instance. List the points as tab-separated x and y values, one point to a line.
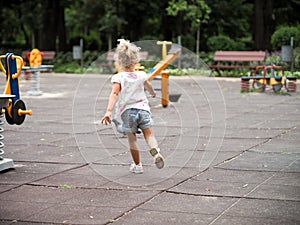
132	94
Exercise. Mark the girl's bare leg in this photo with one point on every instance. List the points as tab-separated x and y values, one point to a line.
154	150
134	149
150	138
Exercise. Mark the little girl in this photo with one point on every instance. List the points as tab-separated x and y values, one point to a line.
132	104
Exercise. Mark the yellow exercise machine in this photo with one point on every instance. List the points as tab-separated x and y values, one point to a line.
16	111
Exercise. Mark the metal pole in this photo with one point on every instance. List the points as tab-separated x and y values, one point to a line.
179	58
81	53
165	88
198	46
292	54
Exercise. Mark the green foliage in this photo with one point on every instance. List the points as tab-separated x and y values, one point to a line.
223	42
64	62
275	59
65	186
296	55
294	74
71	67
188	72
232	18
195	11
101	23
282	36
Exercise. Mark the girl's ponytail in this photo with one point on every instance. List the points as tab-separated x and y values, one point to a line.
127	54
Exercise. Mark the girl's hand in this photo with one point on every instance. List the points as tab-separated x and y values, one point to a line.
106	120
154	94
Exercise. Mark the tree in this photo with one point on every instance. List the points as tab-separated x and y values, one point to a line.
53	26
232	18
263	24
195	12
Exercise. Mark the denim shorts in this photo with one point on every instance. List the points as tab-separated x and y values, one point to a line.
134	119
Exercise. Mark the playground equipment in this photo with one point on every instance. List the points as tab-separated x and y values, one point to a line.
167	59
275	81
35	58
10	102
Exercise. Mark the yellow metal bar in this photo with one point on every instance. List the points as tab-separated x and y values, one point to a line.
162	65
1	65
164	48
24	112
16	75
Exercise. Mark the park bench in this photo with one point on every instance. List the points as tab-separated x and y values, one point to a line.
236	60
48	57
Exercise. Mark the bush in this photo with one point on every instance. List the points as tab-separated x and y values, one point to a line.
71	67
282	36
64	62
225	43
275	59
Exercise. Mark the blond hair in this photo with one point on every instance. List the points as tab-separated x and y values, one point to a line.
127	54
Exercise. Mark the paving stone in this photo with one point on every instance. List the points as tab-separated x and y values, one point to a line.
6	187
280	192
47	154
26	172
252	133
141	216
169	202
285	178
264	162
40	194
20	210
234	183
111	198
247	220
173	180
83	177
266	209
274	145
76	214
238	144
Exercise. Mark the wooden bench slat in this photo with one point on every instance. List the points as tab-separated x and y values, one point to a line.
47	55
237	57
231	67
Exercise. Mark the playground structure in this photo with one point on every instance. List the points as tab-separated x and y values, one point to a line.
35	58
260	82
11	104
167	59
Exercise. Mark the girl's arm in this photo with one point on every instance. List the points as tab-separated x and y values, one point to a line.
111	103
149	88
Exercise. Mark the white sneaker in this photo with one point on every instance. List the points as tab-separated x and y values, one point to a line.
158	158
136	168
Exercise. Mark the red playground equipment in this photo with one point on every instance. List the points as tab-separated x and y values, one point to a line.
276	81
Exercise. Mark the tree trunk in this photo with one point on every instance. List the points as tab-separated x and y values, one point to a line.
62	45
48	31
258	25
269	24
